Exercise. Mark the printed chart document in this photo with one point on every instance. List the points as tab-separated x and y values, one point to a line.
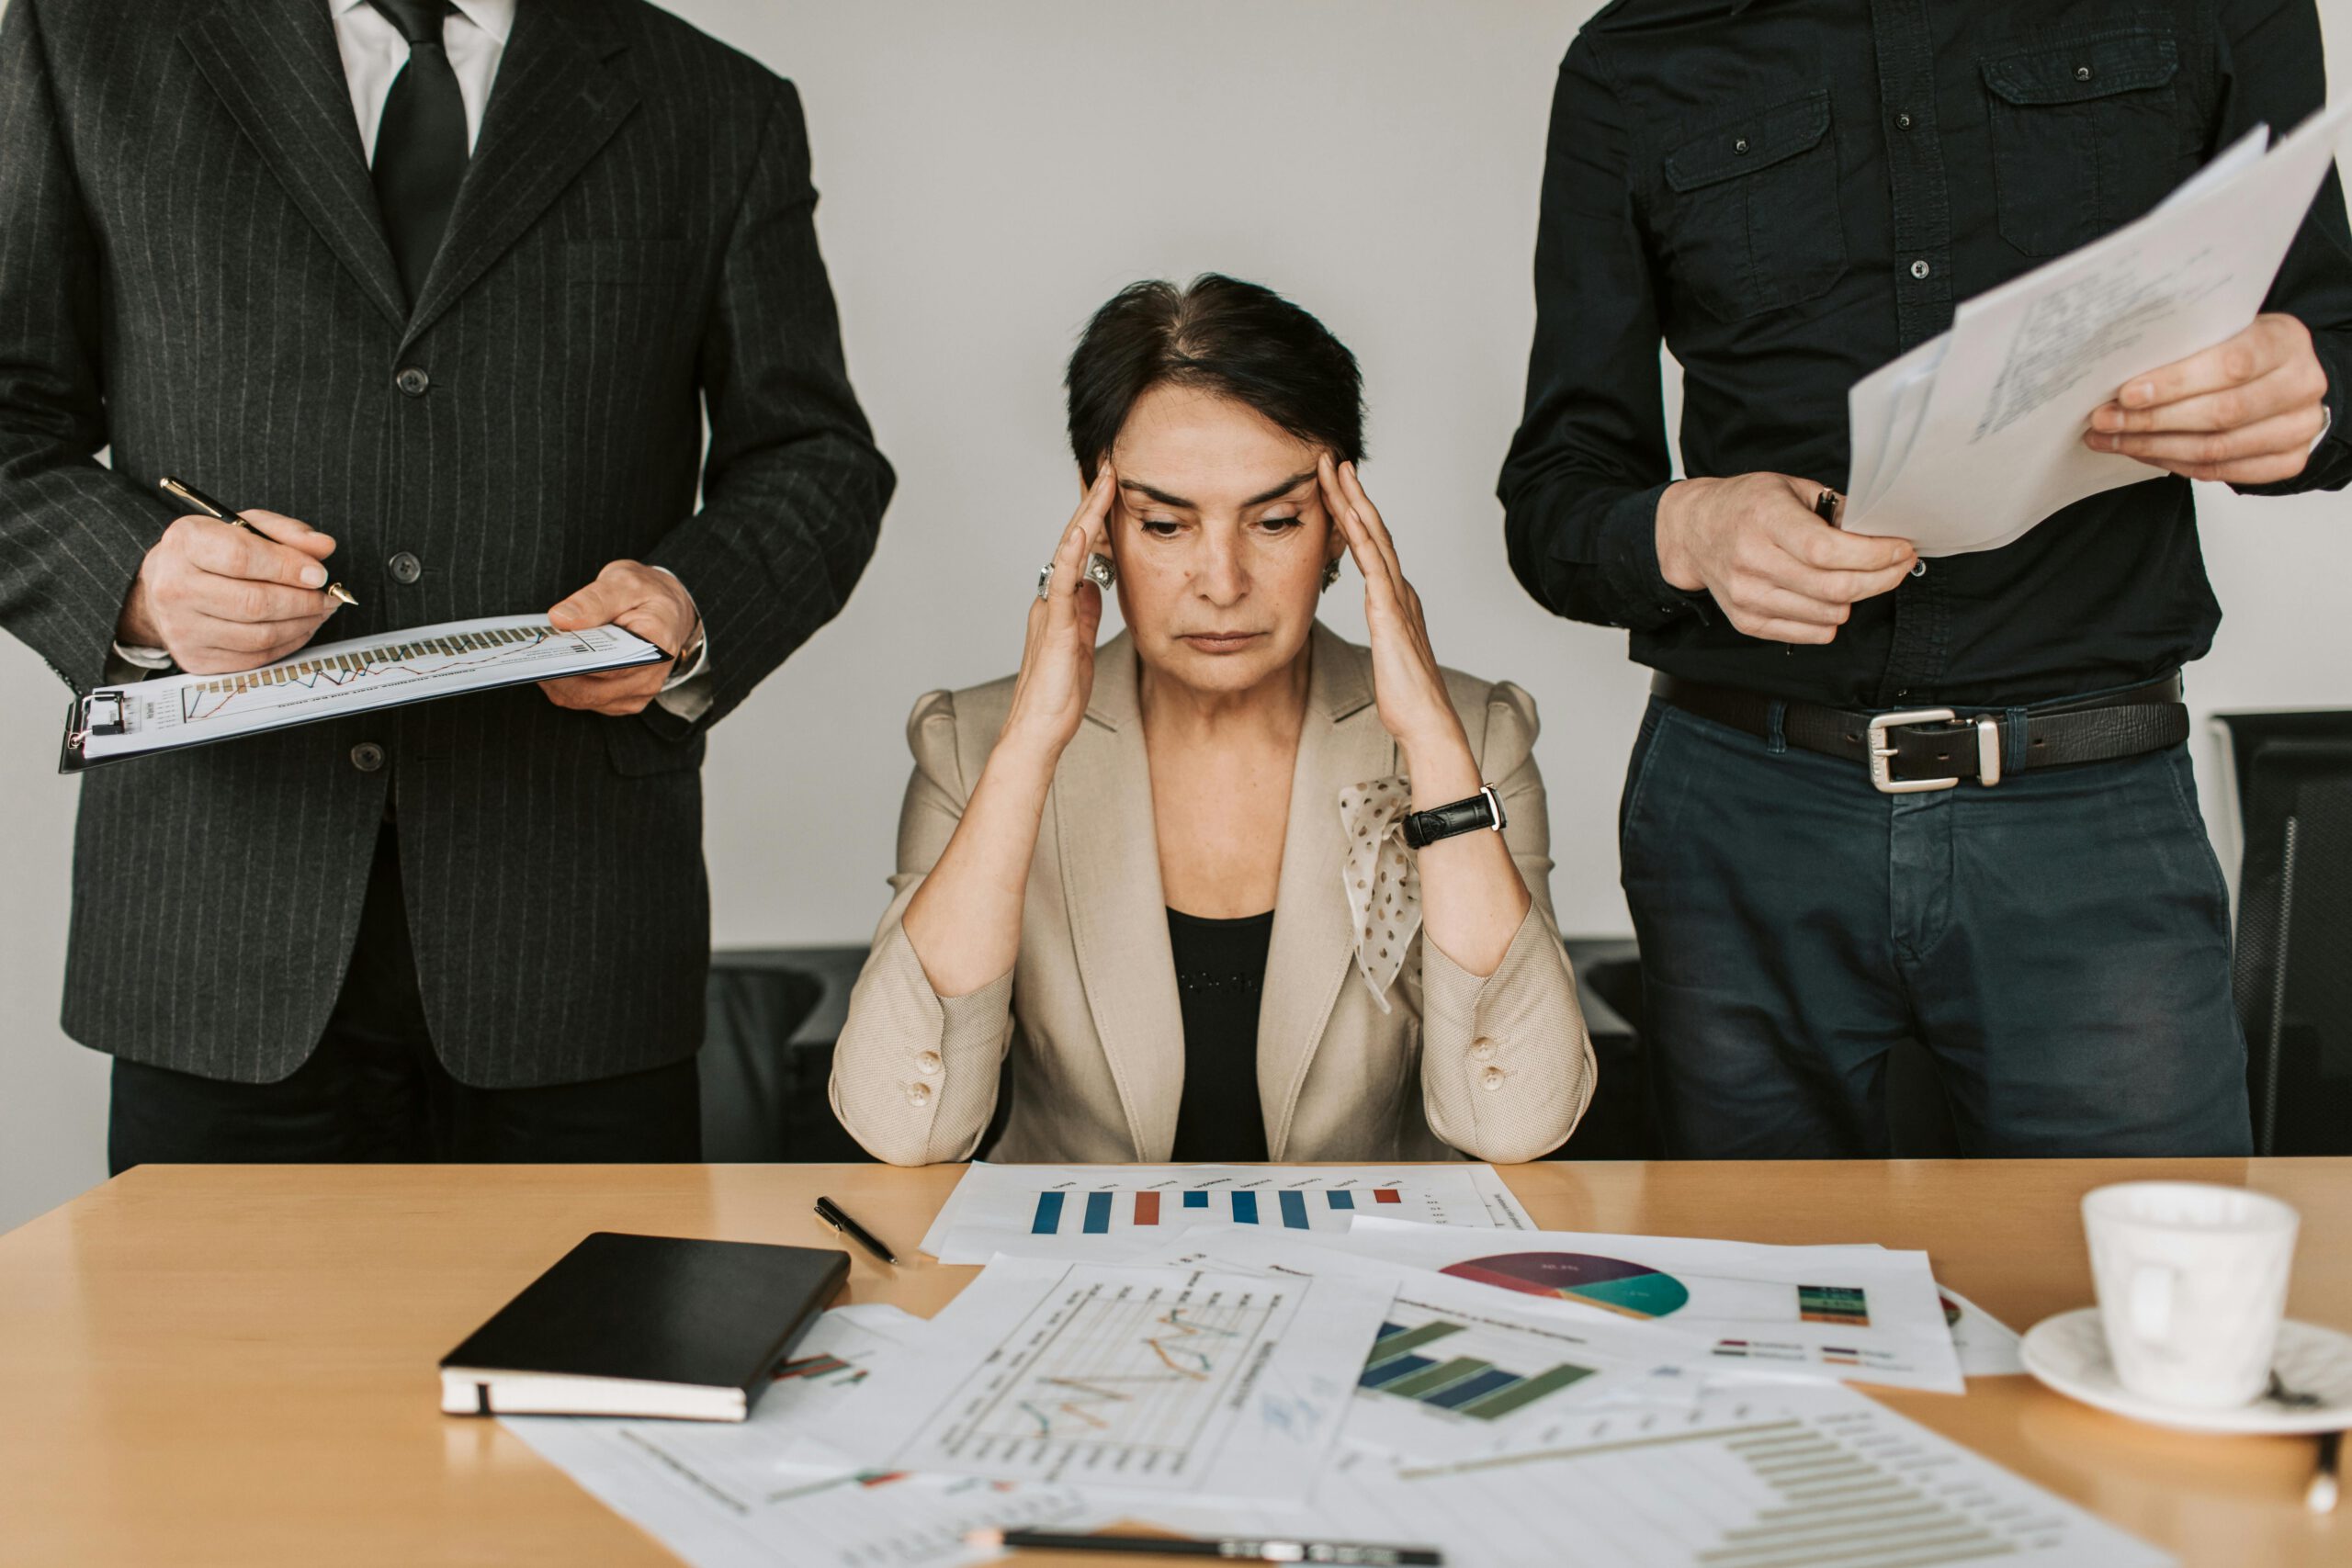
1829	1312
771	1490
1457	1369
1127	1379
1108	1211
170	712
1974	437
1750	1476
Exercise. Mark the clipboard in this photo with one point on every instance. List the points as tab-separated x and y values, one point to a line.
175	713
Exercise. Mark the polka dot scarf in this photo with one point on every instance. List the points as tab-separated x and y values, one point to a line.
1384	885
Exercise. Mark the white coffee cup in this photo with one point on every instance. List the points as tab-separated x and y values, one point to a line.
2192	1283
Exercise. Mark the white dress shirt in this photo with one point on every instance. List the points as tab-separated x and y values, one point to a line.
373	54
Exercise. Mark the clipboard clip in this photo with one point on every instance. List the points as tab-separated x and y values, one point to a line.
100	712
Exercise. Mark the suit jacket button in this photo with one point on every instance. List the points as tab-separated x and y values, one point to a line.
405	567
927	1064
1482	1049
412	380
1492	1079
918	1094
367	756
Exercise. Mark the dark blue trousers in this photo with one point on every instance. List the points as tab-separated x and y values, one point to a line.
2059	942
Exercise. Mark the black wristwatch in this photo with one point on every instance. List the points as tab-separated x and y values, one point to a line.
1483	809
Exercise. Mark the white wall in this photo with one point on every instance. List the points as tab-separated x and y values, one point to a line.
990	173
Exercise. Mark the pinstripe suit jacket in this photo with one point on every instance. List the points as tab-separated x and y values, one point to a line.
192	271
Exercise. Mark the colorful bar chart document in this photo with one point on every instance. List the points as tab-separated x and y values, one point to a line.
1105	1212
1150	1381
1753	1476
169	713
1830	1312
1455	1370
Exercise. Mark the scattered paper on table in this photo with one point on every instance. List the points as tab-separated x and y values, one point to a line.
1133	1379
1108	1211
771	1490
1756	1474
1865	1313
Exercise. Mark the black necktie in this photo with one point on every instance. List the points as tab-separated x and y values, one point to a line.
421	140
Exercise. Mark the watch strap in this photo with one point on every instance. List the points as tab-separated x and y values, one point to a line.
1483	809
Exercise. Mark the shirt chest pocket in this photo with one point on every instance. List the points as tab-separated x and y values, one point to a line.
2084	137
1750	219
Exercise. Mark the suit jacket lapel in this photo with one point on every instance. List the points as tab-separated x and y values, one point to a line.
1311	956
275	65
552	105
1118	916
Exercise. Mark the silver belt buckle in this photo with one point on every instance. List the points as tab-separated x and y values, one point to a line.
1882	756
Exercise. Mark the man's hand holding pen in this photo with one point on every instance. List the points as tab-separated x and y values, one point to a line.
1778	570
218	598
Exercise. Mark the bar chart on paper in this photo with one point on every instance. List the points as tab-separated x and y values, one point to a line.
1075	1210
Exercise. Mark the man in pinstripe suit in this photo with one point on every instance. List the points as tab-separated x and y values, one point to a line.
448	289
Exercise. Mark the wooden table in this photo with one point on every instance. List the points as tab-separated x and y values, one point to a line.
235	1365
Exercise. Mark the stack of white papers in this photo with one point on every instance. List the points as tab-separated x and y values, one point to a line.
1973	438
1459	1380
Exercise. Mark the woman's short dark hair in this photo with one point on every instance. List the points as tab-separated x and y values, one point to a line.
1239	340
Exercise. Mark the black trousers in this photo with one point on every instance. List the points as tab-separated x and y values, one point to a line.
375	1090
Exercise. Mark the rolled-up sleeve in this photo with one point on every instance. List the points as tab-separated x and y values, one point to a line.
915	1073
1506	1068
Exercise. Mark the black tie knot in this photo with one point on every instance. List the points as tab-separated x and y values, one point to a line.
419	21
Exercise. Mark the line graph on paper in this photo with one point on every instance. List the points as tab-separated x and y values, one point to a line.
420	658
1111	1382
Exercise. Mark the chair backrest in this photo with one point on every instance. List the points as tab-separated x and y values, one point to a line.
2288	796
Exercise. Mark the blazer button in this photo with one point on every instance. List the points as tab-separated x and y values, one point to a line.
405	567
928	1062
367	756
412	380
918	1094
1482	1049
1492	1079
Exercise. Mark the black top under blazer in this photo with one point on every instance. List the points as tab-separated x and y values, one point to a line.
193	272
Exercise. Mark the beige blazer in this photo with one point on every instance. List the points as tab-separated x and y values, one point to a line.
1498	1069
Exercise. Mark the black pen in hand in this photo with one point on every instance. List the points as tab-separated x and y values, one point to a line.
833	1214
212	508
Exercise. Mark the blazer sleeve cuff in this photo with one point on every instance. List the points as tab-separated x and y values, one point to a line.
915	1075
1513	1041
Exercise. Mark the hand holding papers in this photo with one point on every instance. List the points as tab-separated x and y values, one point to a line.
330	680
1976	436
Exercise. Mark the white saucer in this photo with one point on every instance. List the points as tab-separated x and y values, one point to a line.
2069	1353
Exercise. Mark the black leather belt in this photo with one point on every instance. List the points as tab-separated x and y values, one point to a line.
1924	749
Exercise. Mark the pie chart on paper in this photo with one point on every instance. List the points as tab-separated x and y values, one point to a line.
1634	1289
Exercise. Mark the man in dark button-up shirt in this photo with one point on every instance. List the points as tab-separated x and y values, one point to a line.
1789	194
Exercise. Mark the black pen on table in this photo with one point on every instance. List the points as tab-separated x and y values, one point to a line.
1245	1548
2320	1497
212	508
833	1214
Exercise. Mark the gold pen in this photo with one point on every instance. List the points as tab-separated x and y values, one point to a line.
212	508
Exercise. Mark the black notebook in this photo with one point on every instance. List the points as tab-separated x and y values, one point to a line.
644	1326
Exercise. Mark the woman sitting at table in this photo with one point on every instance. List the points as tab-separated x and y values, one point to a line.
1176	875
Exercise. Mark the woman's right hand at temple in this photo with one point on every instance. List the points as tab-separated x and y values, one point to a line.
1056	676
964	922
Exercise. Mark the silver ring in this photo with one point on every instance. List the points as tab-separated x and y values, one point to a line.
1045	580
